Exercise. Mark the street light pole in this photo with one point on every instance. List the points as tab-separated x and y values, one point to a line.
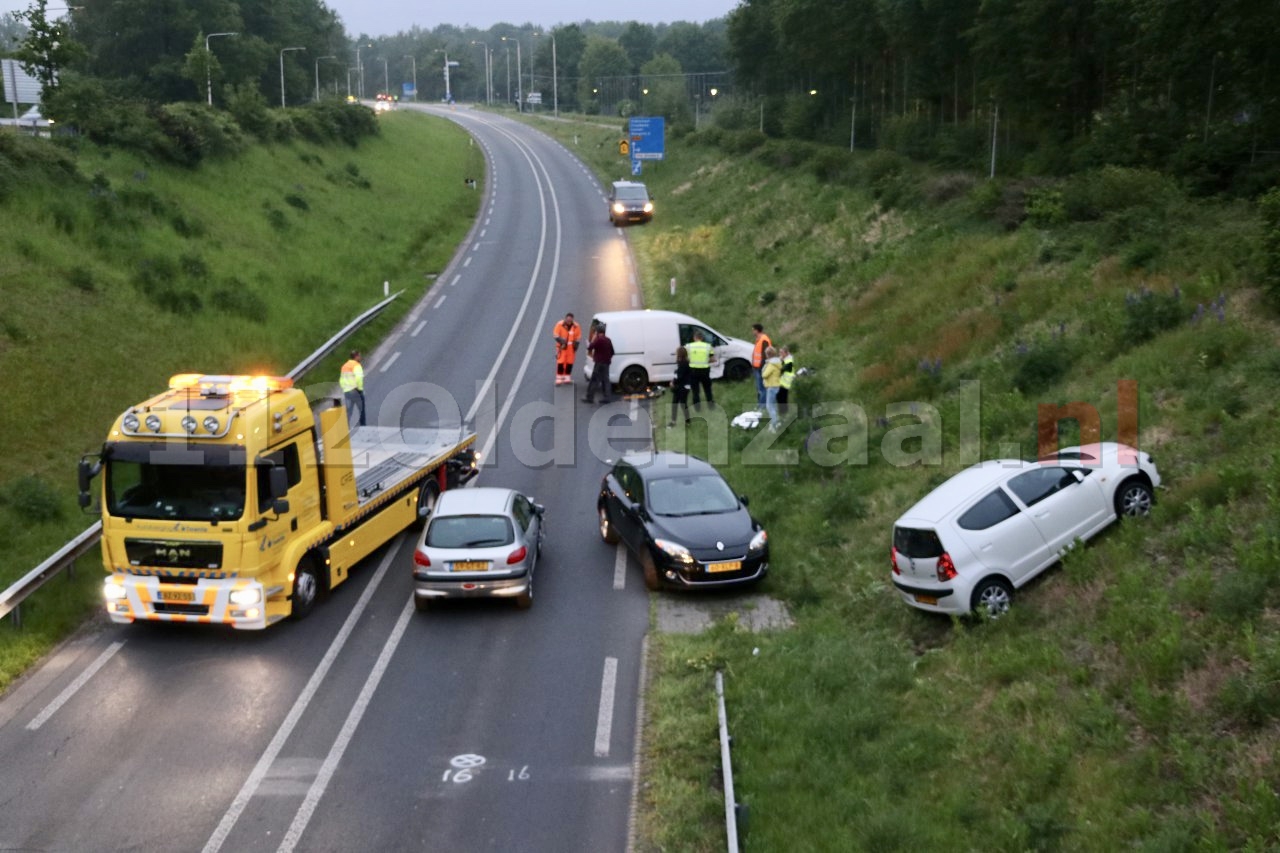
555	78
283	51
519	85
360	67
318	61
208	64
488	73
386	78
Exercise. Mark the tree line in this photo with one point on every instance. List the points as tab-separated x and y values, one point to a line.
1053	86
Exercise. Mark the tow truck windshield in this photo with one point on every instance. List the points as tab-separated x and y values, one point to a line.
206	488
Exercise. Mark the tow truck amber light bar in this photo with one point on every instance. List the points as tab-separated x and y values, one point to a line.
223	386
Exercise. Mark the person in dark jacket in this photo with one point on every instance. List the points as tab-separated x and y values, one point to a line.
680	385
600	349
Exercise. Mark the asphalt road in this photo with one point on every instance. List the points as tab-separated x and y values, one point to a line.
369	726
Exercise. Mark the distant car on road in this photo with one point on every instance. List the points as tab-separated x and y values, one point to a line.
682	521
993	527
482	542
629	201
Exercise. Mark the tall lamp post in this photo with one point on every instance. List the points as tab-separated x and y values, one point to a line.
488	73
319	59
283	51
360	67
555	77
208	64
519	86
386	77
414	60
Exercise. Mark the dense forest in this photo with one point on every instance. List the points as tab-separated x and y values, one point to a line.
1052	86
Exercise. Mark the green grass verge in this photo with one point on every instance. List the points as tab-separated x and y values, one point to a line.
1132	697
120	273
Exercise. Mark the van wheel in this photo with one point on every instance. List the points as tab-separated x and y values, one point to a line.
633	380
737	370
306	588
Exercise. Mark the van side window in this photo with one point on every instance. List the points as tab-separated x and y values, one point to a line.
687	330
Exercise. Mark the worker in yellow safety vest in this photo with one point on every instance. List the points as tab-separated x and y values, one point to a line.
700	357
787	379
567	334
351	381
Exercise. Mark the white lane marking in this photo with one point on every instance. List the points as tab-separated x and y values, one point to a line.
604	720
308	807
457	278
71	689
417	328
483	231
620	568
251	784
440	301
390	362
467	262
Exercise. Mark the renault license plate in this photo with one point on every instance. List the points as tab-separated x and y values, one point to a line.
730	566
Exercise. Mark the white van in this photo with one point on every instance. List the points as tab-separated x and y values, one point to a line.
644	348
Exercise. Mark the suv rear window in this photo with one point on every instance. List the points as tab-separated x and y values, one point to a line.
917	544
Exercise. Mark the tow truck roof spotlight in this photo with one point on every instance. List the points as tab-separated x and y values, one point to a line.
189	423
131	422
153	423
211	424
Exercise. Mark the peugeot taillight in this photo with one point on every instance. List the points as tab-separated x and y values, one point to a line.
946	568
421	559
517	555
893	560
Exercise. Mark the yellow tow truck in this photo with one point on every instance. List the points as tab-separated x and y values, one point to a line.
235	500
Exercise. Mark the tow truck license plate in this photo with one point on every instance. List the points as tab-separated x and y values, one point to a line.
176	595
731	566
471	566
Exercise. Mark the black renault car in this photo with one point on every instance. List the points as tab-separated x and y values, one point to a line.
682	521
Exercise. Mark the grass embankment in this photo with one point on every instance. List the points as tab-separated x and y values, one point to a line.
1132	696
118	273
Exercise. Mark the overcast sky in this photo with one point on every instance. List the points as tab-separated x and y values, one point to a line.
386	17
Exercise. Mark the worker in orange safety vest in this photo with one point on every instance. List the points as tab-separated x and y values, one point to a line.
567	334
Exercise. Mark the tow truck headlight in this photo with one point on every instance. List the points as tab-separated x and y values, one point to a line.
210	424
758	541
244	597
113	591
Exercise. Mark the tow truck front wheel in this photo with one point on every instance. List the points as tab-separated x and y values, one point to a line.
306	589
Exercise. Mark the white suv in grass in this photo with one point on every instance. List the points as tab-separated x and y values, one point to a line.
993	527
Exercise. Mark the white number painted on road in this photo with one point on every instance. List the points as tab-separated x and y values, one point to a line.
462	766
522	774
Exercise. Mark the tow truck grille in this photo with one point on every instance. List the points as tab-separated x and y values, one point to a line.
188	609
169	554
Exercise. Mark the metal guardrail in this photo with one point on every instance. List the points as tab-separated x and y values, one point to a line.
64	560
731	807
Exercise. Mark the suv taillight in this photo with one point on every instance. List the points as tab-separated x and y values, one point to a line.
893	560
946	568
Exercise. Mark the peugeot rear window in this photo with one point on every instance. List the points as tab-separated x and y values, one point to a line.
916	543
